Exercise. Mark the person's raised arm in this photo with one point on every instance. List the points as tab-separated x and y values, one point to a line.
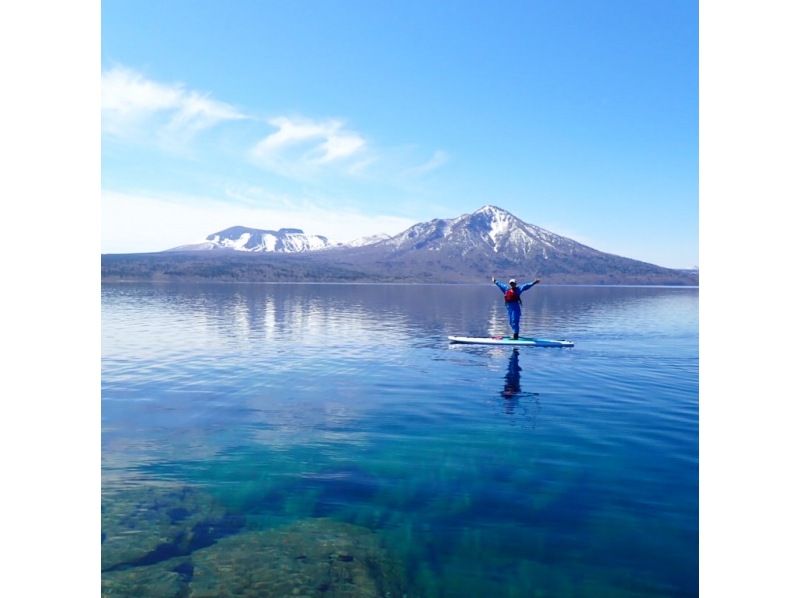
501	285
528	285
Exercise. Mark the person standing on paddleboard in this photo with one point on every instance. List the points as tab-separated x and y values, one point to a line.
511	294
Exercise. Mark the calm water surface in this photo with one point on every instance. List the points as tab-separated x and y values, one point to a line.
326	440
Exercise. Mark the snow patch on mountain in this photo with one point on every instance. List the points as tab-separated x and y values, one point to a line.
240	238
368	240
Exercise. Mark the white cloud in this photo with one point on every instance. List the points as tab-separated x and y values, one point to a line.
127	92
301	147
340	146
130	101
142	222
198	112
169	115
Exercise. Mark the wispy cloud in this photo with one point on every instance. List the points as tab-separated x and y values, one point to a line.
131	103
302	146
169	116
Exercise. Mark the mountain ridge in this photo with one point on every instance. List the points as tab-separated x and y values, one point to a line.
467	248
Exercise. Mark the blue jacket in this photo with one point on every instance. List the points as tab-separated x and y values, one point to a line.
520	289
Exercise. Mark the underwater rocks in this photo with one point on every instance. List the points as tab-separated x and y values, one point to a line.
167	579
151	524
313	557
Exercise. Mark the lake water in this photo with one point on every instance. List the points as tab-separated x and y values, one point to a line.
326	440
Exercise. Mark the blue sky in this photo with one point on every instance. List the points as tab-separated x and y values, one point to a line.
353	118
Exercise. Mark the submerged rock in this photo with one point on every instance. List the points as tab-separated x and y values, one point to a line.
313	557
177	542
147	525
167	579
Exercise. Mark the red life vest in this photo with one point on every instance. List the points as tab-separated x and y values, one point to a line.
512	296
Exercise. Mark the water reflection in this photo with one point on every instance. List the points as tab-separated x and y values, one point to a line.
280	403
512	387
512	392
192	318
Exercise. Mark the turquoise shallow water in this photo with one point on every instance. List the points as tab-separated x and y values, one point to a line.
326	440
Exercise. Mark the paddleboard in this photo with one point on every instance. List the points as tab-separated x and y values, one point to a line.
507	340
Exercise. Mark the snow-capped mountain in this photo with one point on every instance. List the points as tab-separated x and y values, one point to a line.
490	230
469	248
241	238
492	241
